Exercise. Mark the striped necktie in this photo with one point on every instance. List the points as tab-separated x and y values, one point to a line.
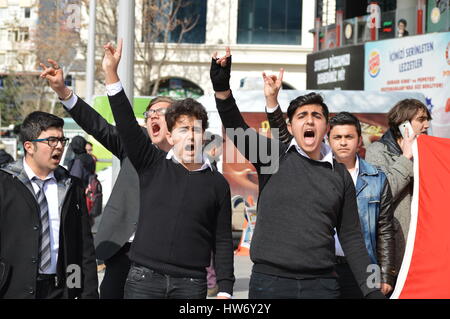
44	239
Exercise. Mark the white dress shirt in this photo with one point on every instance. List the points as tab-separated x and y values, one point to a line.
206	162
326	154
51	193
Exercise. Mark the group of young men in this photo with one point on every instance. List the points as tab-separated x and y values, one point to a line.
170	209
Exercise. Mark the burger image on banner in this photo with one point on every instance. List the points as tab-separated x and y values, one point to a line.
374	63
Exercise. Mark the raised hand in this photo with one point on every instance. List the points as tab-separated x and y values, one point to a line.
55	77
406	144
220	71
272	85
111	61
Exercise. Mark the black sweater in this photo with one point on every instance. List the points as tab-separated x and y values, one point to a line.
184	215
300	203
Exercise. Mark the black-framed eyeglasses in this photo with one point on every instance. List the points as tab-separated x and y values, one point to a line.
52	141
160	112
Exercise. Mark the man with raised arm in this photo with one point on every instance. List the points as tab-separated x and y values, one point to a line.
185	204
120	216
303	196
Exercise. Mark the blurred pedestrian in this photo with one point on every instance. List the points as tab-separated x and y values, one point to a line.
401	28
82	165
5	157
213	148
90	150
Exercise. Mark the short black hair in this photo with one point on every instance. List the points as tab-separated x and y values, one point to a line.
37	122
345	118
311	98
189	107
402	21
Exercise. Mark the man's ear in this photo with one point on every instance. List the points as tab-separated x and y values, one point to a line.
360	142
29	147
169	138
289	127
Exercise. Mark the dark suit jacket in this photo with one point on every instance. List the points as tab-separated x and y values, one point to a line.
20	230
120	216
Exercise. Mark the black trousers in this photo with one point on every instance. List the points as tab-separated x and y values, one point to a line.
347	282
46	288
264	286
116	272
145	283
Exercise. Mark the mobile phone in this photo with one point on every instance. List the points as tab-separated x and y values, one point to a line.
406	126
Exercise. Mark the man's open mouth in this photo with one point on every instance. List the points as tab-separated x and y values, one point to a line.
57	157
155	128
309	136
189	148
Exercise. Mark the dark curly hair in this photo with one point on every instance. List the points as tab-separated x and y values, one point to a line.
189	107
310	98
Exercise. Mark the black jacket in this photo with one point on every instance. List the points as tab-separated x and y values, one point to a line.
385	235
20	229
5	158
121	213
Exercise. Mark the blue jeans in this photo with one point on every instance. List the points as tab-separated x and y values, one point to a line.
263	286
145	283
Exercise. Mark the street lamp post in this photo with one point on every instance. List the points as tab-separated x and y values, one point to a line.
125	31
90	63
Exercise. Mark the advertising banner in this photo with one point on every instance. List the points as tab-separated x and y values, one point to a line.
340	68
416	64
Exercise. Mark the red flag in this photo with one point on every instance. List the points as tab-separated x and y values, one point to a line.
425	271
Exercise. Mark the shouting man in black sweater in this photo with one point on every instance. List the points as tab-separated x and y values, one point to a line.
185	204
303	195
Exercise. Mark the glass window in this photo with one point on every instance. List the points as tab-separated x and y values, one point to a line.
196	11
27	12
193	13
269	22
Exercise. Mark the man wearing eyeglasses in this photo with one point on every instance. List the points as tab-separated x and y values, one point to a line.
46	245
120	215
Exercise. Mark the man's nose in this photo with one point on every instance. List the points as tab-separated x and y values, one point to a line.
154	115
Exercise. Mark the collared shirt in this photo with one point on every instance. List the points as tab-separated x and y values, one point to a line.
206	163
326	154
354	174
51	193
